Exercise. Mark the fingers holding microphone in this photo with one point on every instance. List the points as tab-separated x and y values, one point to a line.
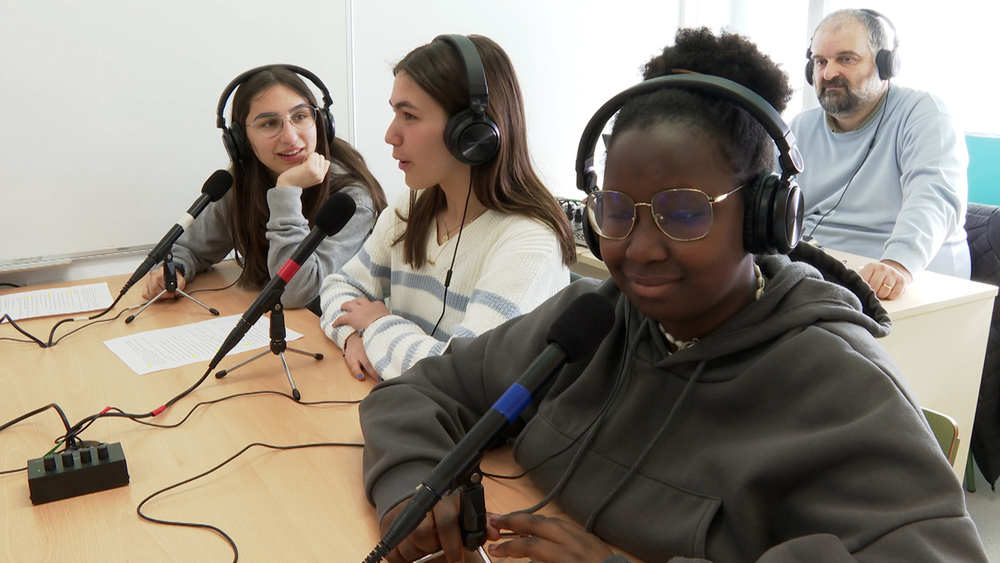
155	283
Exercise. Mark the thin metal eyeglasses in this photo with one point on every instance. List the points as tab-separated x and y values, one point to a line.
682	214
269	125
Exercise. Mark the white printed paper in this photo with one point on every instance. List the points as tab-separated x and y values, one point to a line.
58	301
166	348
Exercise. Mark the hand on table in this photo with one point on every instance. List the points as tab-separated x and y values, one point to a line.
359	314
357	358
888	278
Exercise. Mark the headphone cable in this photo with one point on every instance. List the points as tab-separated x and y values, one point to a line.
458	239
868	152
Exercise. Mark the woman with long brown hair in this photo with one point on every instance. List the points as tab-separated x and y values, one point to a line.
286	163
478	240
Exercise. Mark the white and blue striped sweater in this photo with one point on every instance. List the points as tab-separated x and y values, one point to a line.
506	266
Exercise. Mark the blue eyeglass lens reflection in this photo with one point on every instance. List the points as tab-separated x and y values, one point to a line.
270	124
681	214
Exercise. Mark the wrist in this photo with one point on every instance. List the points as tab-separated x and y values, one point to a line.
358	333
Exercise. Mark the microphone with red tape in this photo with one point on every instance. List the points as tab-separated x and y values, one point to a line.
333	215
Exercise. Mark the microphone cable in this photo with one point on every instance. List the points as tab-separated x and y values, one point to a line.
871	146
51	342
71	439
70	443
225	536
62	417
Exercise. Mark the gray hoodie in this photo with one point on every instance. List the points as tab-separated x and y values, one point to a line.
786	434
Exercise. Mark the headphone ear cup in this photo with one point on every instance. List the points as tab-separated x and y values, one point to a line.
789	220
772	222
754	224
329	125
888	64
592	239
471	138
810	65
235	142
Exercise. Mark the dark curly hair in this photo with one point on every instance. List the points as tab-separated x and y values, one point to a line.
742	141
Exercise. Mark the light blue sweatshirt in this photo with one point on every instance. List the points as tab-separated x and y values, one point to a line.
905	200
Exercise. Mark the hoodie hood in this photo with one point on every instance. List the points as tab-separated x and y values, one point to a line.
807	288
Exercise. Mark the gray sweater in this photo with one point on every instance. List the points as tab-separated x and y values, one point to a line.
207	241
793	436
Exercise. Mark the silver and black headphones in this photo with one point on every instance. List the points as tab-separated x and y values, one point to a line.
471	135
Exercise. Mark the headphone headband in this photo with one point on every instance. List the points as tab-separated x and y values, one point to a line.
789	157
478	91
234	138
887	61
471	136
772	221
220	120
881	16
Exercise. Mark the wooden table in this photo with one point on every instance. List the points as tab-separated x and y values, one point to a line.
298	505
938	339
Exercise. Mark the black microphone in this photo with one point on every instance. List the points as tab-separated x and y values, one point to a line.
215	187
335	212
574	334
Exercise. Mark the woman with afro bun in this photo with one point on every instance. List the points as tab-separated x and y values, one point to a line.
739	409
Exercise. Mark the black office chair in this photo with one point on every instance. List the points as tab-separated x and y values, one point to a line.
982	224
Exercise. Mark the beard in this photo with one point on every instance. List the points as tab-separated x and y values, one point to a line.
850	100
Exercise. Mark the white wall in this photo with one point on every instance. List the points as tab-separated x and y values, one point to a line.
111	103
109	113
570	57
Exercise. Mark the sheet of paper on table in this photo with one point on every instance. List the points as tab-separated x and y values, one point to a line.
167	348
58	301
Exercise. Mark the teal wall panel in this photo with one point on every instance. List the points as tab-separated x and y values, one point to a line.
984	169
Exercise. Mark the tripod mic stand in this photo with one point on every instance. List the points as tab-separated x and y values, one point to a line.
169	286
278	347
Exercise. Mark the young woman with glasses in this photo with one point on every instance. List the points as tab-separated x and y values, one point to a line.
470	245
288	170
740	408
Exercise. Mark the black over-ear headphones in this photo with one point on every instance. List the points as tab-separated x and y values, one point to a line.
471	136
773	218
234	137
887	61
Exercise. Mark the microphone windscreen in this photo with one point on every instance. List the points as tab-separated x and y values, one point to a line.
582	326
218	184
335	212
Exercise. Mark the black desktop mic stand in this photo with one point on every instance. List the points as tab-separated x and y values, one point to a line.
471	520
169	286
472	514
278	347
